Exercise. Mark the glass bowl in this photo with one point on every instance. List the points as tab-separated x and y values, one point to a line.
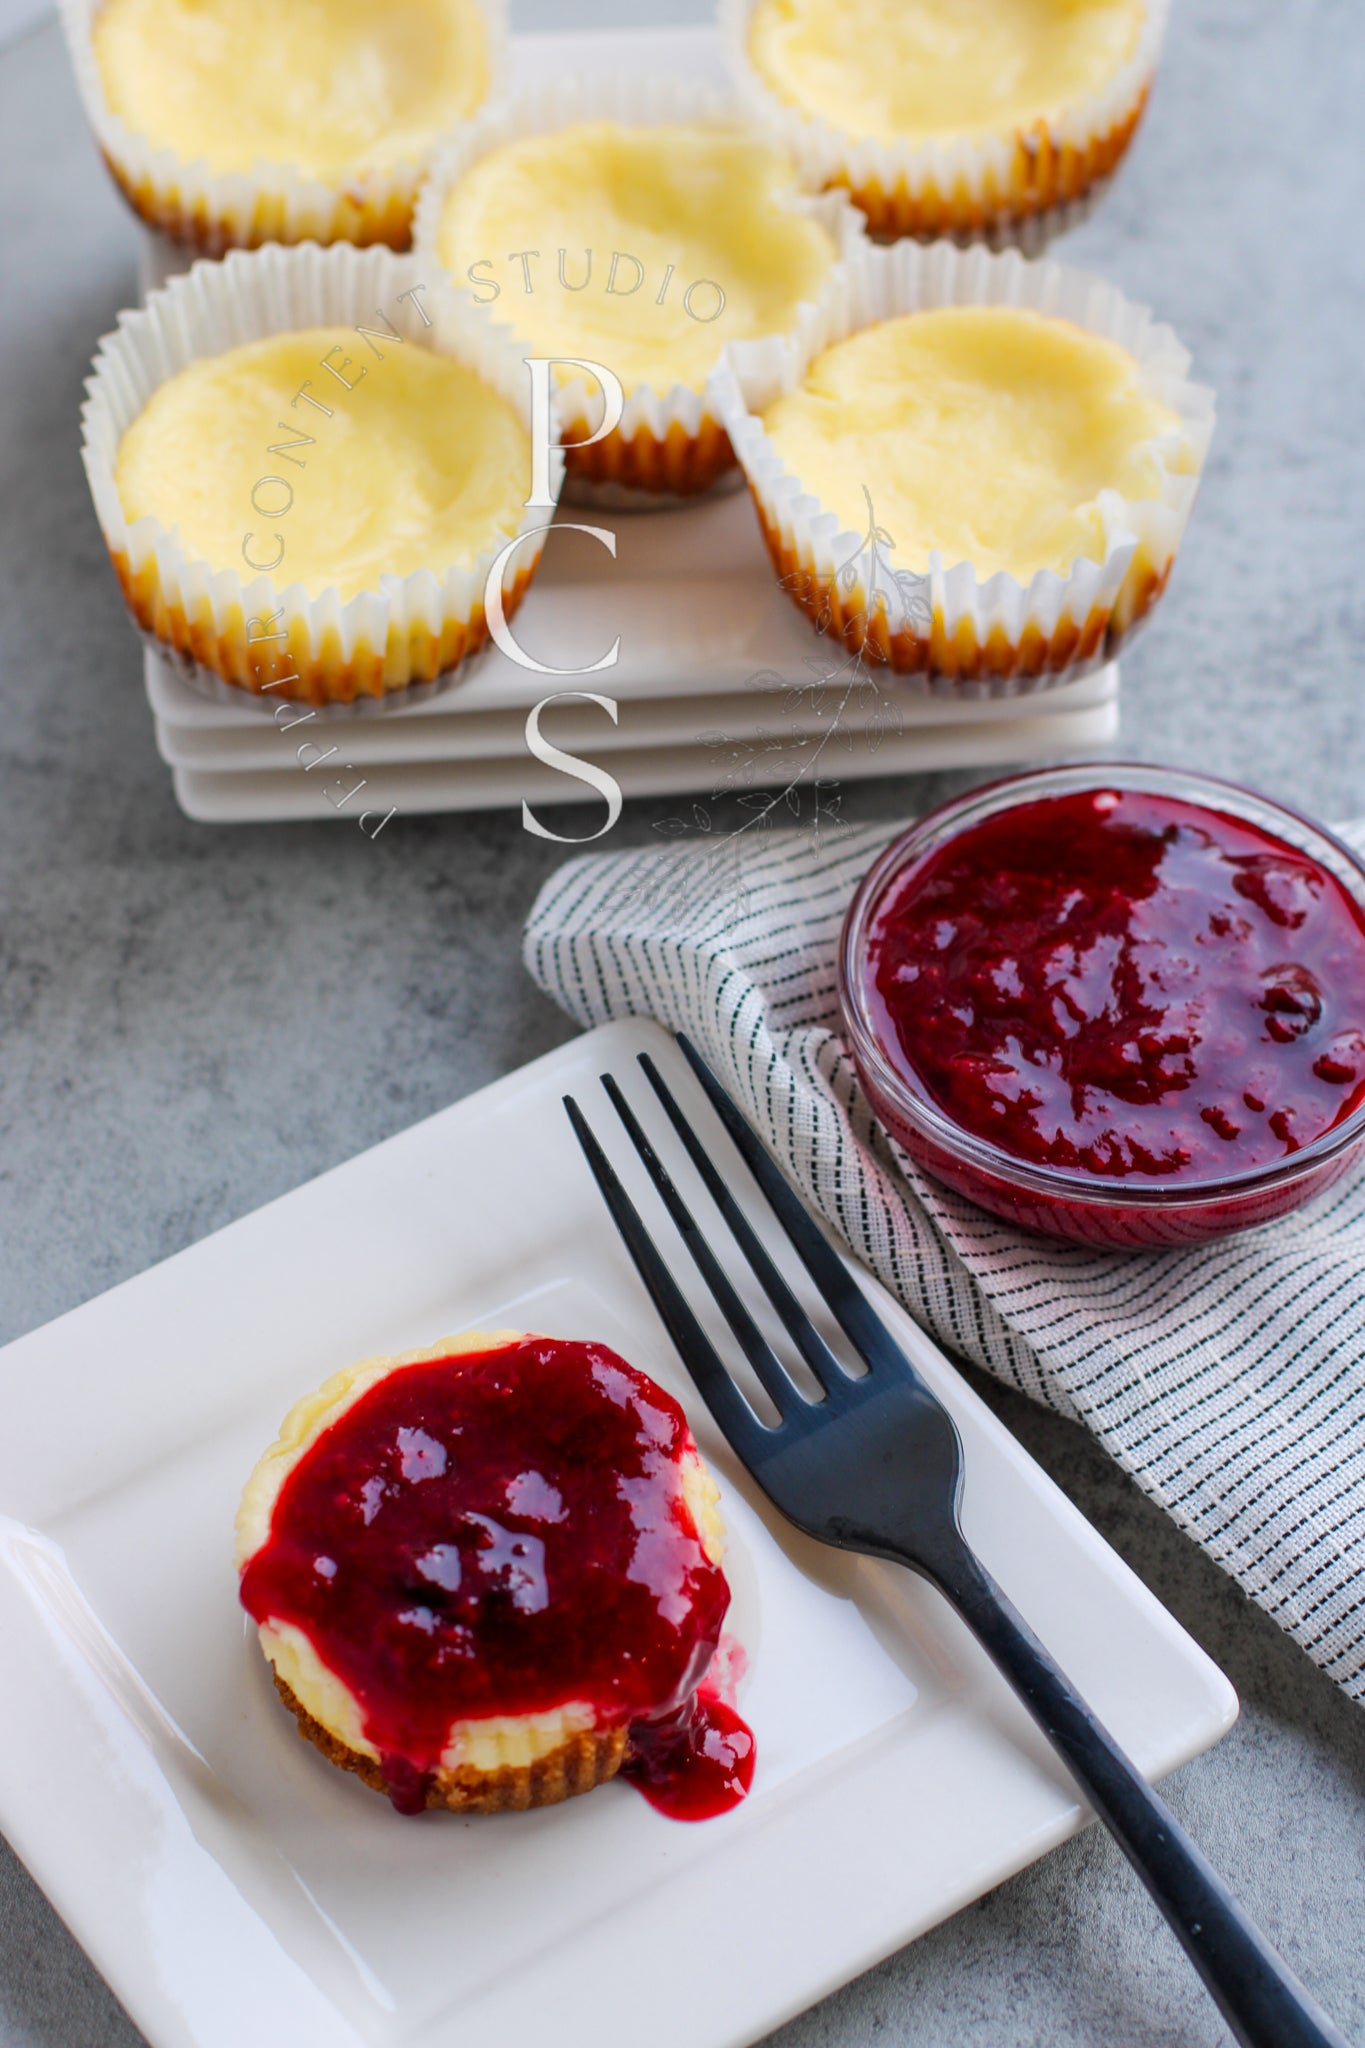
1085	1207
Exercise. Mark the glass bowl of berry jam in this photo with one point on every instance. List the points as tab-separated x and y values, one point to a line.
1113	1003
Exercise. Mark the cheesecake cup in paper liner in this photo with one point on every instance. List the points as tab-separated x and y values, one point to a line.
210	212
401	641
958	635
669	446
1012	189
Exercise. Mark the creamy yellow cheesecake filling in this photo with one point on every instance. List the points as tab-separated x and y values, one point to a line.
332	86
415	462
494	1742
919	69
981	431
707	248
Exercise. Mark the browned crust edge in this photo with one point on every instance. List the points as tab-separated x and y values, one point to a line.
321	678
565	1772
679	462
845	616
356	218
1044	178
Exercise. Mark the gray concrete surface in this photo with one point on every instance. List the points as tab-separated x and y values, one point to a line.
194	1020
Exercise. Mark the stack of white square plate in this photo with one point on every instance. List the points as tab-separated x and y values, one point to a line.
719	682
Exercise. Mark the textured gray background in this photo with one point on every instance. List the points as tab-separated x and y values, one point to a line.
193	1020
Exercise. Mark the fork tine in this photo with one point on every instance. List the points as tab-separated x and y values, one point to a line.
735	1418
796	1322
781	1390
849	1305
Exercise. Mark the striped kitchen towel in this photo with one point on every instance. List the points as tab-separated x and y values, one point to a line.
1229	1379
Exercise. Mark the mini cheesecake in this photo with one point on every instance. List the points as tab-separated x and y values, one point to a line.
313	516
648	249
313	481
965	117
970	469
337	93
982	434
488	1576
926	69
416	463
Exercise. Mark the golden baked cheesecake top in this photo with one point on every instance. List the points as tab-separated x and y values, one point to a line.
396	459
333	86
696	211
984	432
464	1557
921	70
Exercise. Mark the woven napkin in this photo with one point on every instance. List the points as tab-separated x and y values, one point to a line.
1229	1380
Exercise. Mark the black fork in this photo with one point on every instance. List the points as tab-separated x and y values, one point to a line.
875	1465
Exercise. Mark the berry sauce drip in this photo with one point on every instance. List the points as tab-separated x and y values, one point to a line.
1120	983
693	1764
502	1533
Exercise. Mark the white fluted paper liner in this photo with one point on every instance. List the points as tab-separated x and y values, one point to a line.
668	446
414	631
1014	189
958	634
213	211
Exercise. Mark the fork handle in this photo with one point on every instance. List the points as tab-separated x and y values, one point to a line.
1260	1998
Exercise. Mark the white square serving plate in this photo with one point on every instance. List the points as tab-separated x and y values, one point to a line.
235	1888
